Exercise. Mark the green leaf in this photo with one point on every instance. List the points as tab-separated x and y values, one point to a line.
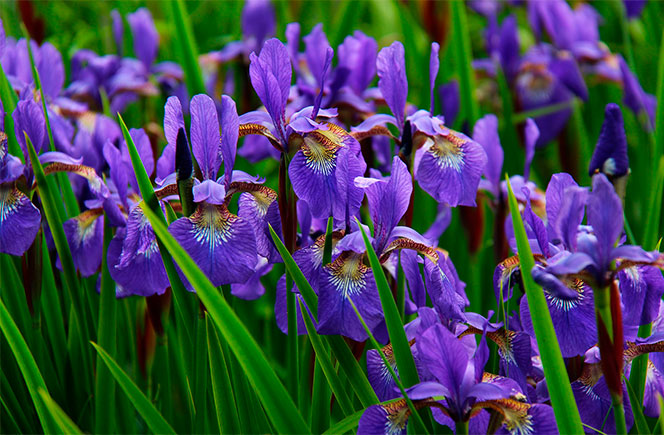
52	312
106	335
464	58
61	419
327	248
639	419
277	402
323	358
418	424
188	51
144	407
200	377
49	201
348	424
222	390
320	400
560	390
402	353
13	294
28	366
147	192
339	348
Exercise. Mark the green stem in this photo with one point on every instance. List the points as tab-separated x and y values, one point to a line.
462	427
619	414
603	309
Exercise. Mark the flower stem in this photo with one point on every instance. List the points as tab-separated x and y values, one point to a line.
619	413
462	427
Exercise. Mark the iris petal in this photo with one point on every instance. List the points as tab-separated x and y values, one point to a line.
221	243
19	221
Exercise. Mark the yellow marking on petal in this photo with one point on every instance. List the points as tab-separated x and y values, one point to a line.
348	274
213	224
515	414
320	147
86	220
9	201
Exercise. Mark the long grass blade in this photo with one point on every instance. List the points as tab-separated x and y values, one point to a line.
348	424
28	366
62	420
52	312
49	200
277	402
187	48
323	358
418	423
144	407
560	390
637	409
222	390
464	59
402	353
105	386
179	292
339	348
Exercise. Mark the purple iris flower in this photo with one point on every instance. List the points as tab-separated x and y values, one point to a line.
459	390
570	300
19	218
594	252
221	243
447	164
325	158
545	78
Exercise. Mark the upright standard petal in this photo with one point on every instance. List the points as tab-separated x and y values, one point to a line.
448	167
230	126
51	70
393	83
531	132
605	215
29	119
447	359
358	55
270	75
146	38
221	243
205	138
316	46
19	221
388	201
485	133
434	65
